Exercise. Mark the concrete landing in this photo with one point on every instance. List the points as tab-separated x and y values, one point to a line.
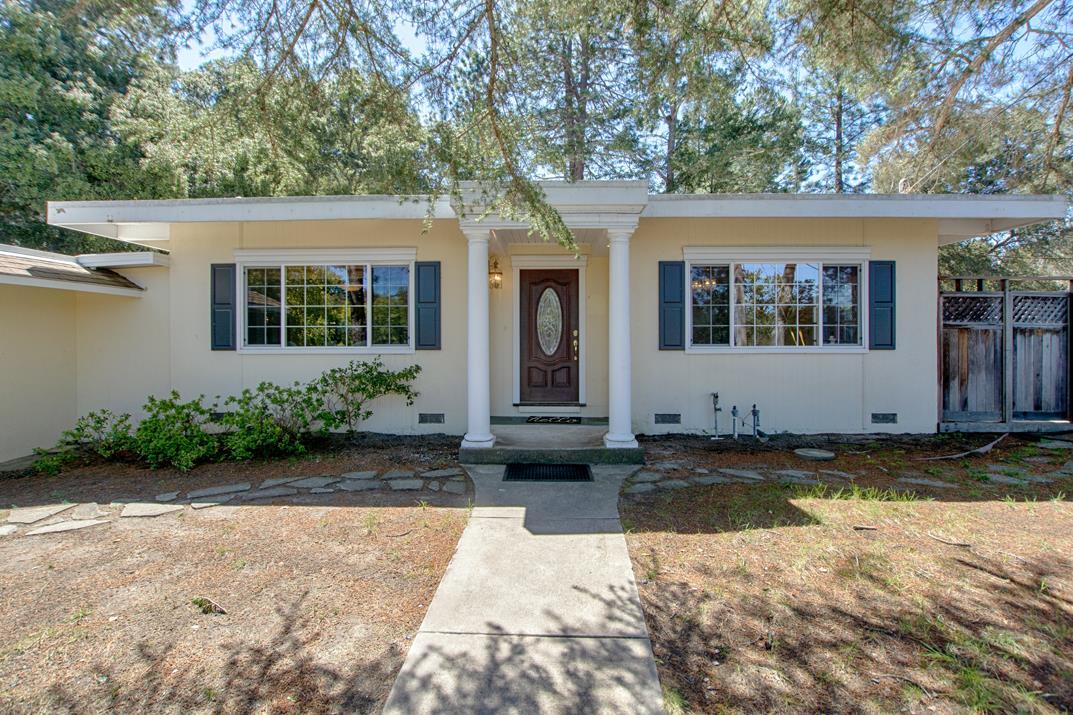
538	610
550	444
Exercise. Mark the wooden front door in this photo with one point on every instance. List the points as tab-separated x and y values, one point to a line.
549	336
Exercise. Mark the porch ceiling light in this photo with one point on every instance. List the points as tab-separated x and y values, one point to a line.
495	276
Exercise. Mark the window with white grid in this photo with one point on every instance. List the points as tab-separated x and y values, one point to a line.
775	304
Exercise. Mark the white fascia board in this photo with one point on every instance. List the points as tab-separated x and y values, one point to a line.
1018	208
70	285
133	259
301	208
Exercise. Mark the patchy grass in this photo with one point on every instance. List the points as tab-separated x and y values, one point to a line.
770	598
303	607
855	492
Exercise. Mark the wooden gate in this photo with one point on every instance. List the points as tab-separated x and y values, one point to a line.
1004	355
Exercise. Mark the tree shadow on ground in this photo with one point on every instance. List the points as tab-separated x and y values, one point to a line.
908	623
282	674
497	671
1011	652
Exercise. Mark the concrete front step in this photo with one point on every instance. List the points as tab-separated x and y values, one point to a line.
534	455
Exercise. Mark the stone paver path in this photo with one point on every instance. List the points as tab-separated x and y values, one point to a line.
538	610
33	514
67	517
73	525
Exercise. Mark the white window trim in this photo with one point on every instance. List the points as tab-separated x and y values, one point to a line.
297	256
841	255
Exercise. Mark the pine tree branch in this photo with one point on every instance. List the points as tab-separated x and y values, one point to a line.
992	44
1056	131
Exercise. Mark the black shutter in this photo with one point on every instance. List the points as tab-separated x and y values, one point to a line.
881	317
672	305
427	303
223	306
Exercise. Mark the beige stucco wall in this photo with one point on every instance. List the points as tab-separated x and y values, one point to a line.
124	345
37	368
794	392
197	369
128	349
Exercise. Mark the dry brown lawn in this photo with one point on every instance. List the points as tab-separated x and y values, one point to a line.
322	595
772	598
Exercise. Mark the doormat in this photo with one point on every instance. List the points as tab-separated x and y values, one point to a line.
547	473
552	420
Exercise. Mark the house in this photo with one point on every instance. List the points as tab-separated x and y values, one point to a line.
821	310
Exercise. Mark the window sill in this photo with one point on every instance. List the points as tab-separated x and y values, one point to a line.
383	350
779	350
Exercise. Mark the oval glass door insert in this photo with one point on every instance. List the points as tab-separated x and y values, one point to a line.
549	321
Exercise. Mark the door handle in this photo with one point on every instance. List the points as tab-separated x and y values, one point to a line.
575	345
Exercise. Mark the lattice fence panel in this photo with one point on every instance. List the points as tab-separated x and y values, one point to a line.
1040	310
972	309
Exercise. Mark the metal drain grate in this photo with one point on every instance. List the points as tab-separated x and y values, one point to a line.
547	473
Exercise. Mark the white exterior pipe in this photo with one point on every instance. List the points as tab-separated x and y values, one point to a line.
620	427
478	370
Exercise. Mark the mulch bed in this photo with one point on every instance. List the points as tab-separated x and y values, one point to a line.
104	482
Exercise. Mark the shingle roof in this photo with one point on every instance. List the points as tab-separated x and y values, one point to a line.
23	263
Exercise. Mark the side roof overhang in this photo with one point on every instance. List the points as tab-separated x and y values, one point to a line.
586	204
91	273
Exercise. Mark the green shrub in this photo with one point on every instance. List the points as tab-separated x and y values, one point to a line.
52	462
173	433
271	420
268	421
103	433
347	390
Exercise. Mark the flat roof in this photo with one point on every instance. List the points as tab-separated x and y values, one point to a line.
960	216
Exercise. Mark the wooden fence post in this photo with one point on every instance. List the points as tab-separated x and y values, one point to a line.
1007	353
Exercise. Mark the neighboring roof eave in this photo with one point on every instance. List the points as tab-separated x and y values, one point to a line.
43	269
71	285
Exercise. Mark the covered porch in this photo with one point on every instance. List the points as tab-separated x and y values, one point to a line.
548	330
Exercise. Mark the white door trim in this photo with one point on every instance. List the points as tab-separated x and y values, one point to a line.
579	264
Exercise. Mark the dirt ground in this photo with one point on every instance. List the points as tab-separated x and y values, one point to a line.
322	595
778	598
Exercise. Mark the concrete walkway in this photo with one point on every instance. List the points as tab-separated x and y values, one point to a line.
538	610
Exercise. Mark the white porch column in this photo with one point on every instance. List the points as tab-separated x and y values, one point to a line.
478	366
620	420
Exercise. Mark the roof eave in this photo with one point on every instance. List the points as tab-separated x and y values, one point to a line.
960	216
71	285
